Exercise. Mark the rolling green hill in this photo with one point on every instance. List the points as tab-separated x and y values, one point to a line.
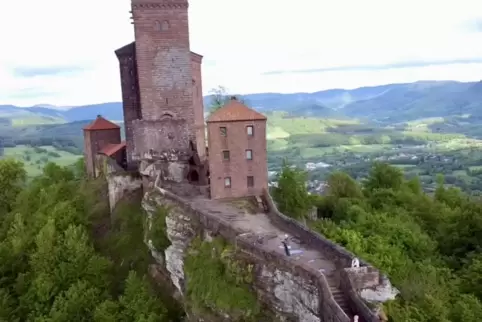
301	126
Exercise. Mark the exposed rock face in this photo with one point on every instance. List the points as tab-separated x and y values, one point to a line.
119	185
179	231
290	294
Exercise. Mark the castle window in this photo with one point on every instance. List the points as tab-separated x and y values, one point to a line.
226	155
250	181
249	154
157	26
227	182
249	130
223	131
164	26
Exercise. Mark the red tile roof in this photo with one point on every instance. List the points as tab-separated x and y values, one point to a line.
111	149
234	110
101	123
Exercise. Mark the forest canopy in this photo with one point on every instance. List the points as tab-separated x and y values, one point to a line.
58	262
62	260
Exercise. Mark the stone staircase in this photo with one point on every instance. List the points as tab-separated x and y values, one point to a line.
339	296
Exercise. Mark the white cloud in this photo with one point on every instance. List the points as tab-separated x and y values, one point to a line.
244	39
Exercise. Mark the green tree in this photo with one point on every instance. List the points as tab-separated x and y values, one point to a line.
49	267
291	193
220	97
384	176
428	245
12	179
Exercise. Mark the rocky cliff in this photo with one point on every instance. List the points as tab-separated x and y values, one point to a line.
225	261
227	264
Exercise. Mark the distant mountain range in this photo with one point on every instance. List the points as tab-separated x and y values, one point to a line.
387	103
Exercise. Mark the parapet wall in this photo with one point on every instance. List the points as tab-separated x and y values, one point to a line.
367	276
324	308
120	182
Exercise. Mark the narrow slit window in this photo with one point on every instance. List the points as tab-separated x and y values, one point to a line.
223	131
226	155
250	130
227	182
250	181
249	154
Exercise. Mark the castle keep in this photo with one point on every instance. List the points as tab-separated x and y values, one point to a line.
202	182
164	114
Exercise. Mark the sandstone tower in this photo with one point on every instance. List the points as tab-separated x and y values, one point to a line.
164	68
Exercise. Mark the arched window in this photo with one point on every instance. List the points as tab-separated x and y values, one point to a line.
161	26
165	25
157	26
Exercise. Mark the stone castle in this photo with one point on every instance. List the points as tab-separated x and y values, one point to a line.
166	154
164	113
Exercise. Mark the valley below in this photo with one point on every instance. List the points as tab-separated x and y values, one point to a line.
425	128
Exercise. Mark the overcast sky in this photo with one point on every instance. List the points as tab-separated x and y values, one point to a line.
62	51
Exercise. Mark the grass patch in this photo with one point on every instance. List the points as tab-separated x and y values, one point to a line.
276	132
280	125
422	125
277	145
36	120
35	158
218	282
157	232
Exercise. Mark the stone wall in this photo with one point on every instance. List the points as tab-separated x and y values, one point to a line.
119	181
352	281
120	185
130	94
198	104
295	292
151	137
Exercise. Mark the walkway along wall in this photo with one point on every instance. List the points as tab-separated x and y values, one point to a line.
352	280
305	291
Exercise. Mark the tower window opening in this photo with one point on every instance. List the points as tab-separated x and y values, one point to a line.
227	182
226	155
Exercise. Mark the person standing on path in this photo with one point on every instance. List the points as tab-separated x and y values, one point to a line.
286	246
